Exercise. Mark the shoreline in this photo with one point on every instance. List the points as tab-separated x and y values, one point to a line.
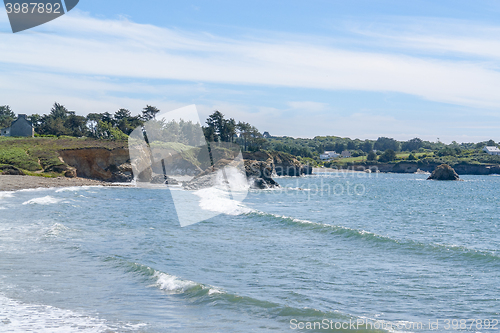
16	183
325	170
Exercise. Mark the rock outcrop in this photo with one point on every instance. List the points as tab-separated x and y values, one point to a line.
444	172
260	166
10	170
282	164
67	170
112	165
161	179
259	174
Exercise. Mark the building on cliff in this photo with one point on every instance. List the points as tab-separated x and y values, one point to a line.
492	150
346	154
19	127
328	155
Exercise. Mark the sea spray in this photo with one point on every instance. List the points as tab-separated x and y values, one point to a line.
47	200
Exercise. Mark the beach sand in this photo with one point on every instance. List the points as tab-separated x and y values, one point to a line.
14	183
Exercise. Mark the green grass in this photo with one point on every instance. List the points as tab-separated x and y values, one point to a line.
39	153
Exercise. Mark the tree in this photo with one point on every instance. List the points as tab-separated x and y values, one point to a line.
216	122
125	122
106	130
7	116
59	111
228	130
36	120
219	128
387	156
339	147
384	143
411	157
122	114
244	133
210	134
92	121
491	143
149	112
77	125
371	156
411	145
367	146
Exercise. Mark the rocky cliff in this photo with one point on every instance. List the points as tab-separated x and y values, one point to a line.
111	165
260	166
412	167
114	165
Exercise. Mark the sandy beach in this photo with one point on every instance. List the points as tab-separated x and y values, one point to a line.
14	183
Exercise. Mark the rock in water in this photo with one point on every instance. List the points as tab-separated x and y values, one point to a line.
444	172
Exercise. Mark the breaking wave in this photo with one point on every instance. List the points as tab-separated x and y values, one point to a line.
216	200
47	200
406	244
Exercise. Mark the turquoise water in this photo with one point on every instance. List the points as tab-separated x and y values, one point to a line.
390	249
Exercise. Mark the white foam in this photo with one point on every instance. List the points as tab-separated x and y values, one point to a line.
21	317
47	200
38	189
173	283
56	229
215	200
6	195
233	178
73	188
176	285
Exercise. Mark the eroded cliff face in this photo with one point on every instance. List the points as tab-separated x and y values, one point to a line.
113	165
282	164
100	163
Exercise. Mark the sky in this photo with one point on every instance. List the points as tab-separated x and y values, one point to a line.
358	69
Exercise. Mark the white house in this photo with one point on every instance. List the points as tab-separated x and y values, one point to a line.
346	153
328	155
492	150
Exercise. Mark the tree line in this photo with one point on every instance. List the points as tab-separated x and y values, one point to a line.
217	128
119	125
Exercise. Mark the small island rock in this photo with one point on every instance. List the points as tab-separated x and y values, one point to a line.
444	172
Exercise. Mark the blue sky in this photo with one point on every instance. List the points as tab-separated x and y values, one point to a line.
359	69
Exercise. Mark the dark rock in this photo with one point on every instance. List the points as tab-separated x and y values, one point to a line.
70	173
10	170
281	164
259	174
160	179
306	169
60	168
262	184
204	181
444	172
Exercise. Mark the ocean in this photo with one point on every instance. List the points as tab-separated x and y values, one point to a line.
333	252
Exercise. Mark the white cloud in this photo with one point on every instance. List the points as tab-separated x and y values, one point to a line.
124	49
96	65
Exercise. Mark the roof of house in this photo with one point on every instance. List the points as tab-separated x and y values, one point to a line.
492	148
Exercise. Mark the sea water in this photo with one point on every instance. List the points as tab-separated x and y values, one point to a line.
325	253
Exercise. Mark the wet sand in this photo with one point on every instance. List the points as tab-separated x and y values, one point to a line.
14	183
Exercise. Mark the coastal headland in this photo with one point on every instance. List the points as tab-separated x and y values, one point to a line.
69	161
